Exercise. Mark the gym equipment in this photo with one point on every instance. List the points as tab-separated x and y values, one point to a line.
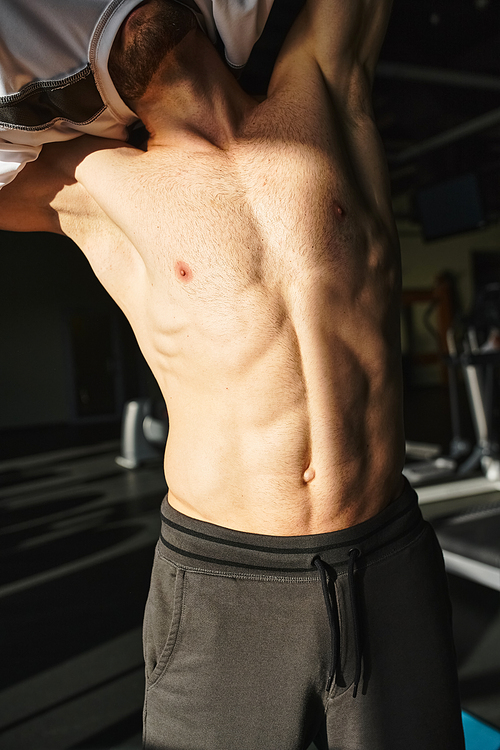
438	467
479	735
470	540
142	436
469	533
478	367
470	536
478	364
430	470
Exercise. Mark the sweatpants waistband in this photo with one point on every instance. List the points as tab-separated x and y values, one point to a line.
196	545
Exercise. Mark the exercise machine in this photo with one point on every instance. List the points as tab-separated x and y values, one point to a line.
468	521
480	365
143	436
470	541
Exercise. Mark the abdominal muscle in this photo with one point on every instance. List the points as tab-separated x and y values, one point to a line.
274	336
298	439
268	479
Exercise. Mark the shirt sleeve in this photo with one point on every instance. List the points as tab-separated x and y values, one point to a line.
13	157
240	25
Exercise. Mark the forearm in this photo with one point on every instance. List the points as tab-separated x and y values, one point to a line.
48	187
25	202
13	158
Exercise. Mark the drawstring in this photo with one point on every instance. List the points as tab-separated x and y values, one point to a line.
353	556
333	617
320	565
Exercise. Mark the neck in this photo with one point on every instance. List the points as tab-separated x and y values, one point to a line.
193	100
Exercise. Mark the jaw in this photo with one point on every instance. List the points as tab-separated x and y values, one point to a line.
150	33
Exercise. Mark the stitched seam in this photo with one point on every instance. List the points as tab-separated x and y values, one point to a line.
177	631
50	85
334	695
273	550
292	579
48	125
388	555
250	576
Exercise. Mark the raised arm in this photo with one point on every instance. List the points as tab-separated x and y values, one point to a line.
25	202
344	38
46	196
346	35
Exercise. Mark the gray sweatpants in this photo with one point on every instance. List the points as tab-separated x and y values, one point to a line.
261	643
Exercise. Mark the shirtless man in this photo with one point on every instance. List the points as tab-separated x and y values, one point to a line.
296	594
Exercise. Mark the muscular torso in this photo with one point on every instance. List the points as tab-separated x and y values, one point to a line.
262	283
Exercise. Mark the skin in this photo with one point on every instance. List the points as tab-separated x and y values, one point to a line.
254	252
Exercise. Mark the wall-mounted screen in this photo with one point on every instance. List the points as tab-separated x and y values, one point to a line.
450	207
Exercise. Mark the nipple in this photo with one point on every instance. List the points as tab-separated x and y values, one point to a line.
339	211
182	271
309	475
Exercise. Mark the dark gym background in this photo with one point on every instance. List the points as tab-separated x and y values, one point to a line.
78	531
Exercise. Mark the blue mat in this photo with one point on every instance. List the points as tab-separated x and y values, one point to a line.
479	736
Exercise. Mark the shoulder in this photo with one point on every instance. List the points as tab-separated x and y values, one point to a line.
94	205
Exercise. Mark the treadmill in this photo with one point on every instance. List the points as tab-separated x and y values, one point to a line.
470	541
469	530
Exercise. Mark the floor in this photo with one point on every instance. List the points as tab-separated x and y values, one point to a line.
77	540
476	621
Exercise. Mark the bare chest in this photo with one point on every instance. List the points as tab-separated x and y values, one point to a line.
232	229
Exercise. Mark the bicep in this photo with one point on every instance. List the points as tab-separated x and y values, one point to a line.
25	202
343	38
43	193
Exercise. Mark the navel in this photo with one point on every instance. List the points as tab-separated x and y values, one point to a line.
183	271
309	474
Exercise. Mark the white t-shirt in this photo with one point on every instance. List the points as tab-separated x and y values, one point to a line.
54	79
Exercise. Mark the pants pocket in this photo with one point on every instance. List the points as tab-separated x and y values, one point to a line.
161	617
